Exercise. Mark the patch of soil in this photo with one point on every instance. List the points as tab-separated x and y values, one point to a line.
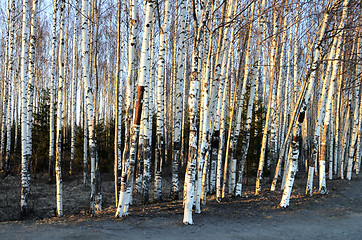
337	215
42	200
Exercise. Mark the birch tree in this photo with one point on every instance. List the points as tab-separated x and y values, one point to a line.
118	118
25	173
193	106
74	89
52	93
160	145
60	115
126	185
6	165
178	101
296	132
327	116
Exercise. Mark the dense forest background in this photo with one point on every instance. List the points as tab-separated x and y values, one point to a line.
205	94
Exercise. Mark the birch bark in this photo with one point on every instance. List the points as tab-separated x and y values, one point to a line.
193	107
327	117
178	101
60	115
52	93
6	166
160	150
126	186
25	173
74	90
119	101
296	133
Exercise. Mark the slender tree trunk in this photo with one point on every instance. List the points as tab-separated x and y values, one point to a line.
356	106
327	117
126	186
4	96
74	90
6	166
52	93
160	145
321	114
119	101
178	101
129	99
145	123
25	173
296	133
60	115
189	189
274	50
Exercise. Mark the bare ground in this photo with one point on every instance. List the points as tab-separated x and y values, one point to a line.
337	215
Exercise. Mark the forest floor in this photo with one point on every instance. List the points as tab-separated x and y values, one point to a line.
337	215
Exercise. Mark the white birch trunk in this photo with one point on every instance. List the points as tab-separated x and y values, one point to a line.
359	128
274	51
129	98
6	166
52	94
25	172
160	149
4	95
145	119
189	189
321	114
30	87
222	145
296	132
205	126
60	115
126	187
179	99
119	101
322	177
355	118
74	90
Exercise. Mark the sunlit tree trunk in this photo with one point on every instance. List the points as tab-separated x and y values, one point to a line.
146	125
356	106
359	128
338	132
129	101
296	133
321	114
249	114
178	101
160	144
276	121
327	117
126	186
189	186
223	137
205	126
274	50
209	137
119	101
